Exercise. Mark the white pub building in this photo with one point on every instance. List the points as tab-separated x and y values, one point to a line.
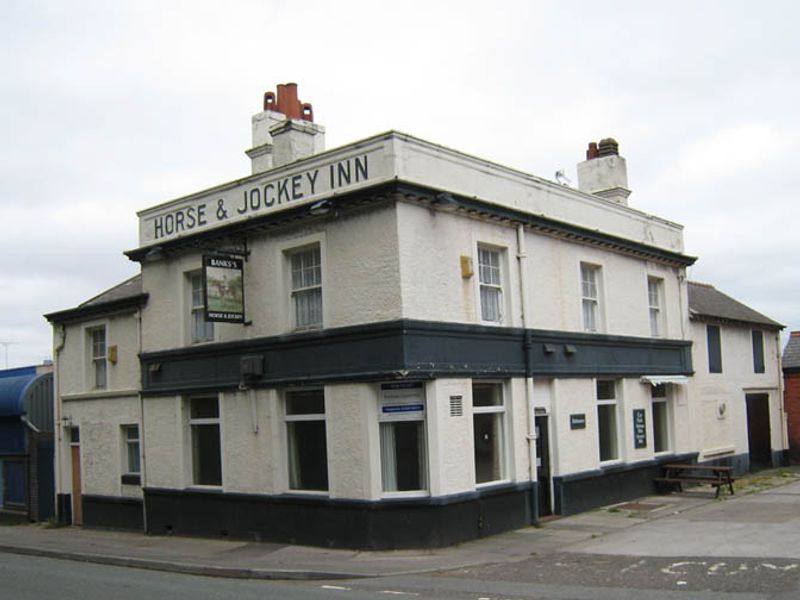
390	344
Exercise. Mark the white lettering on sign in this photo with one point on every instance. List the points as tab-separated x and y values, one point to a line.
257	198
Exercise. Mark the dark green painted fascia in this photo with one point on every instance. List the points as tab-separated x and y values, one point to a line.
409	349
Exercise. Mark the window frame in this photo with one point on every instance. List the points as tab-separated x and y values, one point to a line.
317	288
289	444
655	291
594	302
408	393
491	285
617	437
97	359
201	331
128	443
665	402
759	363
500	411
714	348
194	424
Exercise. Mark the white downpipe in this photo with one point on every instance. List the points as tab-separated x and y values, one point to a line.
522	258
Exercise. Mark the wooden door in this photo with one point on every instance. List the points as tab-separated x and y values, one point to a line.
77	501
758	431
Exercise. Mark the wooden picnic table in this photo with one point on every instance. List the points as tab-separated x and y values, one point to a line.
675	475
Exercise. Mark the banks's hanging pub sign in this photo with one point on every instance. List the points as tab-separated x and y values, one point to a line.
223	283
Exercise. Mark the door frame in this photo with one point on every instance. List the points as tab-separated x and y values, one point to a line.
75	469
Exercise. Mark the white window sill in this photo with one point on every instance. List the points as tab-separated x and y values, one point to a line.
488	484
406	494
318	493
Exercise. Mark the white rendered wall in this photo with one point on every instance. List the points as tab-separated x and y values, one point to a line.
352	432
360	281
431	246
74	359
451	461
102	446
722	435
577	450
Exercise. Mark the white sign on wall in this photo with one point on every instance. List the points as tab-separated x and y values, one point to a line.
402	401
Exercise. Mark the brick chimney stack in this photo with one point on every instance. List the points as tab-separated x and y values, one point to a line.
604	173
285	131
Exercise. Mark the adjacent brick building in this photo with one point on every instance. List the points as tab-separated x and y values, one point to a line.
791	393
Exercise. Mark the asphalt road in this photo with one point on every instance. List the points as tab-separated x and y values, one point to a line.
554	577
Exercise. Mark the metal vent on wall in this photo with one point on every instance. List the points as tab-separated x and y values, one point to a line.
456	406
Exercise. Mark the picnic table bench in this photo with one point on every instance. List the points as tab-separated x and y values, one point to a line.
675	475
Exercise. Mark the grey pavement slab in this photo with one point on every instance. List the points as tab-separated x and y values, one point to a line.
759	525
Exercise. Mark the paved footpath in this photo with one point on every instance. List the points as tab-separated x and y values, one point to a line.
764	524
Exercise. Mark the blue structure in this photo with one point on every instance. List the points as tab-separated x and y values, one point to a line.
26	444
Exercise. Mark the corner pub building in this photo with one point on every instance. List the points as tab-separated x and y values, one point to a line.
423	348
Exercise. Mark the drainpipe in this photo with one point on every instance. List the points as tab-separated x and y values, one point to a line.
142	443
522	258
58	434
781	396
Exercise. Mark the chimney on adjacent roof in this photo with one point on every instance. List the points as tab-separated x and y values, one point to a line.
285	131
604	173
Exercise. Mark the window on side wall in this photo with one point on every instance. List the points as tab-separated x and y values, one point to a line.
205	435
661	410
98	358
202	330
305	270
758	352
714	349
132	460
607	422
590	297
307	440
491	284
489	412
655	300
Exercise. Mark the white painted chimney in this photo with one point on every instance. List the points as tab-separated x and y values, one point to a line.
285	131
604	173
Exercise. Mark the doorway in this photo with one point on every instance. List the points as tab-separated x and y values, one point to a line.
758	431
543	465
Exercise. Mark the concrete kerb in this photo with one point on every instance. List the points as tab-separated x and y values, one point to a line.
183	568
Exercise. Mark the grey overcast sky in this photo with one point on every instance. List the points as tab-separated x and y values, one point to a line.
108	107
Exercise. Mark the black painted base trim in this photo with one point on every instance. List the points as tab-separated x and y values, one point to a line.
380	525
579	492
112	512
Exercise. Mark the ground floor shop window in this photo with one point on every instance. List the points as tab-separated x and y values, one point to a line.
488	410
206	447
404	462
307	440
607	427
660	418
